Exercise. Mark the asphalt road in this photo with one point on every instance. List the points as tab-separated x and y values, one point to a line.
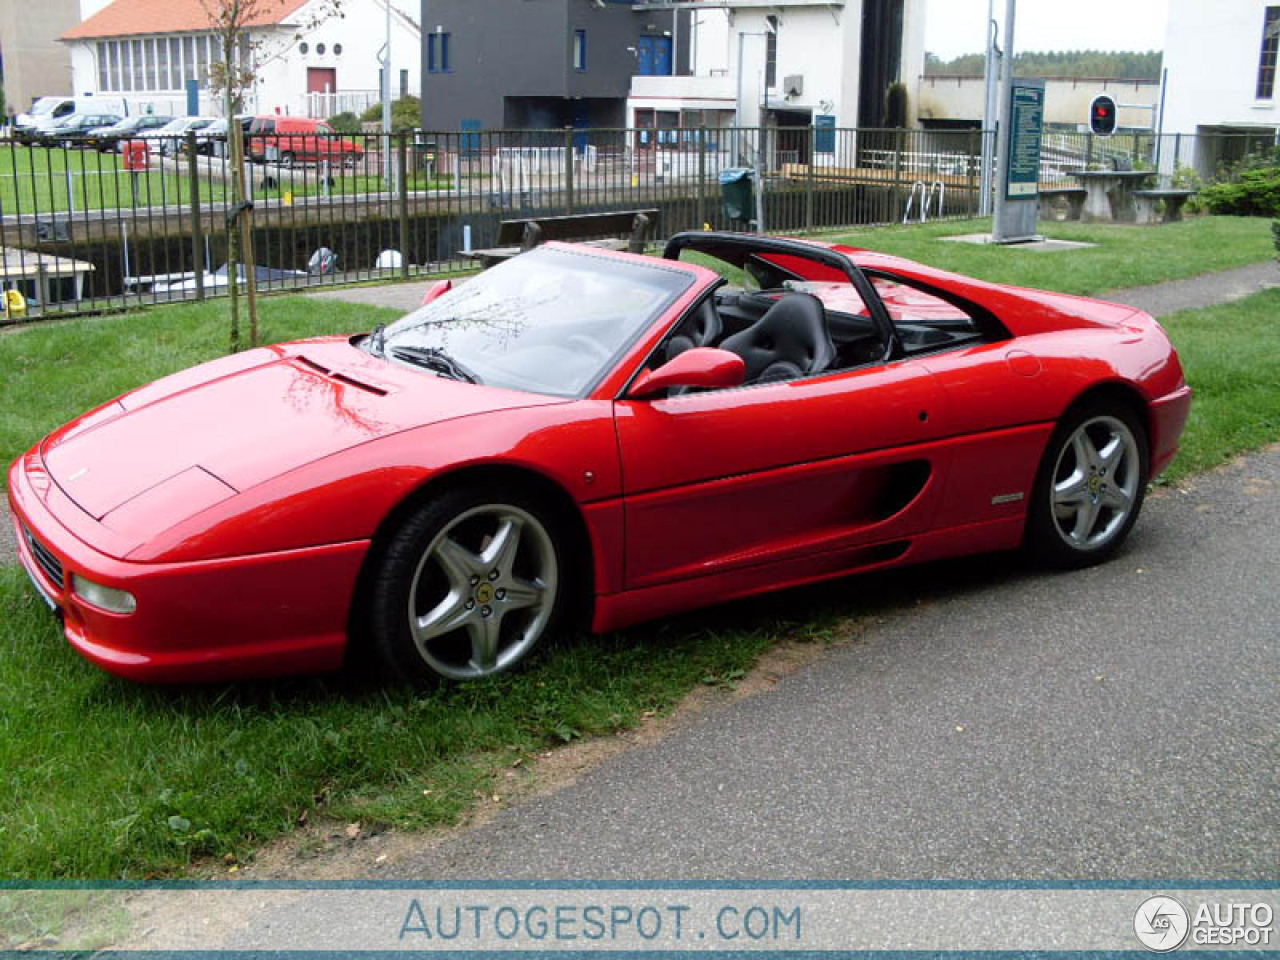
993	722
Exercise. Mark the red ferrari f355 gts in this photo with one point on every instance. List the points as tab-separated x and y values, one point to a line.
585	432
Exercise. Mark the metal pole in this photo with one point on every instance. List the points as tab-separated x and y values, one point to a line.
197	226
991	74
1006	108
1164	87
386	104
737	105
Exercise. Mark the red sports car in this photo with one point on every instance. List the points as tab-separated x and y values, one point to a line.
581	432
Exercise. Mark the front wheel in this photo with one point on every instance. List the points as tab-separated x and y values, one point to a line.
1090	486
468	586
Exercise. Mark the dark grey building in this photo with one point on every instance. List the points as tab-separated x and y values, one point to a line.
541	64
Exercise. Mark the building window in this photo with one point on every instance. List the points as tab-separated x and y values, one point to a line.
115	66
438	52
175	63
771	53
1267	62
162	64
103	82
404	84
580	50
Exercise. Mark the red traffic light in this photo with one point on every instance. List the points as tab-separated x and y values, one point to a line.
1102	116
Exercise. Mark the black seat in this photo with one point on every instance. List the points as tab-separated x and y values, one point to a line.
701	329
789	341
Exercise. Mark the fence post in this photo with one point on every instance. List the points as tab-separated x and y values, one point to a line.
197	228
702	176
808	179
568	168
974	150
402	178
898	143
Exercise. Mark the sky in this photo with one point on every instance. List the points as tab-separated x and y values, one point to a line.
953	27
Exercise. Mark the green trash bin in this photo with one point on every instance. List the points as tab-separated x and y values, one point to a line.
737	194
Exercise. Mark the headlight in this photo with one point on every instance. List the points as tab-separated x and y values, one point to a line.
105	598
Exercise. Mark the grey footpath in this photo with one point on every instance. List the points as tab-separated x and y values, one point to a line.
992	722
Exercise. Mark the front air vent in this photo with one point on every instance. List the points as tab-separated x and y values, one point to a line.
341	377
50	565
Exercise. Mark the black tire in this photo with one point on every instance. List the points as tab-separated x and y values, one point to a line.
1099	508
406	570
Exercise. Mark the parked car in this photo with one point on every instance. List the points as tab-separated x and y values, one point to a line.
48	112
110	138
290	140
578	431
79	129
171	137
211	141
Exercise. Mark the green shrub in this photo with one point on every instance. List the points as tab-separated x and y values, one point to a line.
1275	234
345	122
406	114
1255	194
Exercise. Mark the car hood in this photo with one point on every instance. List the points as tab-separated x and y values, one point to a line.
203	435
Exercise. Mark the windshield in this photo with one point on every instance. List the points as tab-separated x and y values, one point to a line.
548	321
44	105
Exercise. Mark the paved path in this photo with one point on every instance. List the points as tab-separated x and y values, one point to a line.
1196	292
1117	722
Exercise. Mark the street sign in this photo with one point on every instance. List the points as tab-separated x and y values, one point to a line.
1018	202
1026	127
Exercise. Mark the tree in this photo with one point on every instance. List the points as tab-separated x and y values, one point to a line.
245	41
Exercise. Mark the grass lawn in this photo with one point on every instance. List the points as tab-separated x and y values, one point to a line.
35	180
101	779
1125	256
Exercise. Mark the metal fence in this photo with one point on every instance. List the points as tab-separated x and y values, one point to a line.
92	227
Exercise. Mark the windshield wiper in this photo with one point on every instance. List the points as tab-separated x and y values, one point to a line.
433	358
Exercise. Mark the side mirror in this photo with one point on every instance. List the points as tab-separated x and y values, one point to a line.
699	367
436	291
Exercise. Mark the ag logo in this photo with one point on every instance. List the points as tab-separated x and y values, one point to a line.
1161	923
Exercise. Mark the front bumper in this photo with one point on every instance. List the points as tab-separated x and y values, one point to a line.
253	616
1168	417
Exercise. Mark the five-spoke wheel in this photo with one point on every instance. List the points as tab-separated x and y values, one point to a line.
1090	486
468	586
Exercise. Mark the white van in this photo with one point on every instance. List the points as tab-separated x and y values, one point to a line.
47	112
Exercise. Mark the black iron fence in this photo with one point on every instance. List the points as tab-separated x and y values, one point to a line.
89	225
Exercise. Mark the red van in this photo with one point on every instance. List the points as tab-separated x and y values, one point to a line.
289	140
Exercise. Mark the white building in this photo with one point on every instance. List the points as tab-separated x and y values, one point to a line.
306	60
786	63
1221	59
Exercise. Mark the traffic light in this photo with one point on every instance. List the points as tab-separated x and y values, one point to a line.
1102	115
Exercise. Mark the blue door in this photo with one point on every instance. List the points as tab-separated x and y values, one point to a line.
653	57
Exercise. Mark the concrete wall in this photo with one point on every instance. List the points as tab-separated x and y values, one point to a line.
35	63
1066	100
1212	52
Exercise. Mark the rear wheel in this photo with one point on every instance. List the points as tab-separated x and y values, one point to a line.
287	158
468	586
1090	486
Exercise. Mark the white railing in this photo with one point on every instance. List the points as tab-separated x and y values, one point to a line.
325	105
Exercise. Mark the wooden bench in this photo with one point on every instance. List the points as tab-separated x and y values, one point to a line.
1075	197
618	230
1146	200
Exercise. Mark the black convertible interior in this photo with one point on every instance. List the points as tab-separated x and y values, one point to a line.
784	331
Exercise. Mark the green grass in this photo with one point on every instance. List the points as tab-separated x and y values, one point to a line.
102	779
1125	256
1231	354
34	179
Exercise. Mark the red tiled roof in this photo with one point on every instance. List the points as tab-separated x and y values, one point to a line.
126	18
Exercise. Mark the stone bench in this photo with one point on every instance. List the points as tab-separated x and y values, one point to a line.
1146	201
1075	197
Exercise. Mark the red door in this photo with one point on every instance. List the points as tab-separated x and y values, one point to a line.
322	80
732	479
